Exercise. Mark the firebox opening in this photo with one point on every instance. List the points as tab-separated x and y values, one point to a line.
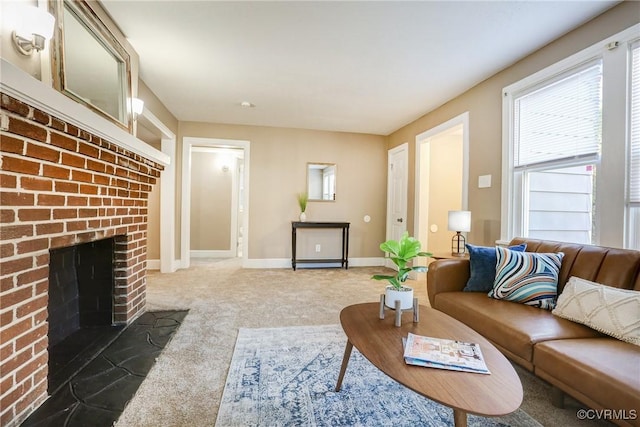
81	299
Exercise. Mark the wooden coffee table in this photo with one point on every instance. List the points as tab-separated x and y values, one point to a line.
499	393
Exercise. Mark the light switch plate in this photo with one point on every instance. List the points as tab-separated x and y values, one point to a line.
484	181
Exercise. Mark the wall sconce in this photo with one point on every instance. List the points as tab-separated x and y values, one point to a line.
459	221
34	26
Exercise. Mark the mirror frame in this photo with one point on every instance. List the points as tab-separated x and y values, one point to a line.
335	167
94	25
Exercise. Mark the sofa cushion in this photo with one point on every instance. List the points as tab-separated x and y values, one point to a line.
528	278
604	369
613	311
483	267
514	327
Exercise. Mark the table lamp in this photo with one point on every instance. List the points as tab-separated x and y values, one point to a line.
459	221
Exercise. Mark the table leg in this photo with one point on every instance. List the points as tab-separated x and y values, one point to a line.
346	248
459	418
345	362
293	247
344	258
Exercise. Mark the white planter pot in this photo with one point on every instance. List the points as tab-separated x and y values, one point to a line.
303	216
405	296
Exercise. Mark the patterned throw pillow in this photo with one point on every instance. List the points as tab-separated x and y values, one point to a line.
612	311
482	260
527	277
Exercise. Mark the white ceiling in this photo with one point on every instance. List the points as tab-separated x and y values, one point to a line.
358	66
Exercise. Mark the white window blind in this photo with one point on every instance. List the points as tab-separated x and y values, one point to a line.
560	120
634	131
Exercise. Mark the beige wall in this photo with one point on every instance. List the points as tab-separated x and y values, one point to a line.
157	108
484	104
278	172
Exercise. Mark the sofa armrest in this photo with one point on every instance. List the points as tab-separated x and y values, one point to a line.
446	275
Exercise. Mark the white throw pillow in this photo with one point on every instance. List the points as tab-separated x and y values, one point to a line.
612	311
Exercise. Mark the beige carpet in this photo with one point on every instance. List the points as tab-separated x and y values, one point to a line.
185	386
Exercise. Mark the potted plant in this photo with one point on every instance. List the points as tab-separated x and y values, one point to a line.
303	198
401	252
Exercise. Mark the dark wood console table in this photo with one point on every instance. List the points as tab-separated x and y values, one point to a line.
344	261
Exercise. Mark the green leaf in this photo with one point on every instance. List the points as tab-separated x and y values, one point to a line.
303	198
390	246
400	253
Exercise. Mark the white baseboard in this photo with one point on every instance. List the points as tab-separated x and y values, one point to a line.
286	263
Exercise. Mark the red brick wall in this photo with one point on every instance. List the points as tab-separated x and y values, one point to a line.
59	186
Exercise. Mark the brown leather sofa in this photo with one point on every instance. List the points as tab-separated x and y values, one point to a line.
600	371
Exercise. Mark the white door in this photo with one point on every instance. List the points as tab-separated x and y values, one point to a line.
397	183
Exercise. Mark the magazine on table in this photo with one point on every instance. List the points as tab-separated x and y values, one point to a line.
443	354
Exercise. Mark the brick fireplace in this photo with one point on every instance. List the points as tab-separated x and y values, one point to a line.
61	186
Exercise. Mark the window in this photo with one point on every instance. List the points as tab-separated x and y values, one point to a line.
633	201
557	138
565	161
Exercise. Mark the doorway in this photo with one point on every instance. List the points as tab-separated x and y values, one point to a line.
161	232
215	197
442	171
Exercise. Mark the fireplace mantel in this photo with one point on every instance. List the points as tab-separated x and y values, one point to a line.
32	91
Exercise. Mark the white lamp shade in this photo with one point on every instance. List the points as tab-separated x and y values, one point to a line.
34	20
459	221
137	105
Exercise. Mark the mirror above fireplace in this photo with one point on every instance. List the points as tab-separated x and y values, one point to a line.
89	64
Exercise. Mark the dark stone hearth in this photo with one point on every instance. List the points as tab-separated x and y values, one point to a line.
72	354
97	395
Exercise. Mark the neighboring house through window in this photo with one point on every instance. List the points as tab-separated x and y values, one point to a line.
571	148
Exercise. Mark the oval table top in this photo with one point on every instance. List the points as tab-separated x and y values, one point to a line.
378	340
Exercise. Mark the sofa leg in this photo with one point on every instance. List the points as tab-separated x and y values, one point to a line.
557	397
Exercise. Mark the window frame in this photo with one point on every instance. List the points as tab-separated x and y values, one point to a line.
611	204
631	241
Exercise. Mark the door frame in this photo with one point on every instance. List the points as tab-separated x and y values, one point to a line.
168	263
420	226
188	143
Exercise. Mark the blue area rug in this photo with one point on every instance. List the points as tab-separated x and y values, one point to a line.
287	377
